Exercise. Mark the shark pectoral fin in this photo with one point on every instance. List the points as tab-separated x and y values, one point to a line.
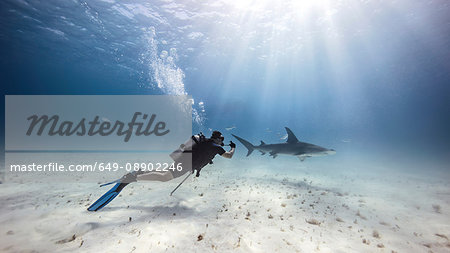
273	154
262	143
262	152
302	158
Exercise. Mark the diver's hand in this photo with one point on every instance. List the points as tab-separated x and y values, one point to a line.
232	145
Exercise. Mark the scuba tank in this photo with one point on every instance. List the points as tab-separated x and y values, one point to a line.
184	154
188	146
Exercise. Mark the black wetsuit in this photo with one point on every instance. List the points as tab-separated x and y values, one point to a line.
202	154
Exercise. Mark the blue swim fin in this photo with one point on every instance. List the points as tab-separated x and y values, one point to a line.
107	197
115	181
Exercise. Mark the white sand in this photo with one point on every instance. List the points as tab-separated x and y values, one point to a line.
258	206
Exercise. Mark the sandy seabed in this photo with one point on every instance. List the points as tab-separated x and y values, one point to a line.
242	205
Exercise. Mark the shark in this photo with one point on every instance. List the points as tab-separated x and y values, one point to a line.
292	146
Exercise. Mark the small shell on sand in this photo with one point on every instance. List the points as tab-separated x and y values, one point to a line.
437	208
376	234
360	215
313	222
384	223
442	236
69	239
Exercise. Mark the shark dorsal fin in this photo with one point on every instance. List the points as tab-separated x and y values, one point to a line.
263	143
291	136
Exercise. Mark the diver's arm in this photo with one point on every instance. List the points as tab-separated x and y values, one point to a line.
229	154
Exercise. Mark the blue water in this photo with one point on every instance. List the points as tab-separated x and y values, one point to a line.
367	78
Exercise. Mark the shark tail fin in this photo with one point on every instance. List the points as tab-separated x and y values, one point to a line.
247	144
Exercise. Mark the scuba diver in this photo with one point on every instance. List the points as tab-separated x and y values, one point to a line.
200	152
194	154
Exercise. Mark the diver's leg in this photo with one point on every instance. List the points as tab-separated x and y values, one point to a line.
155	176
